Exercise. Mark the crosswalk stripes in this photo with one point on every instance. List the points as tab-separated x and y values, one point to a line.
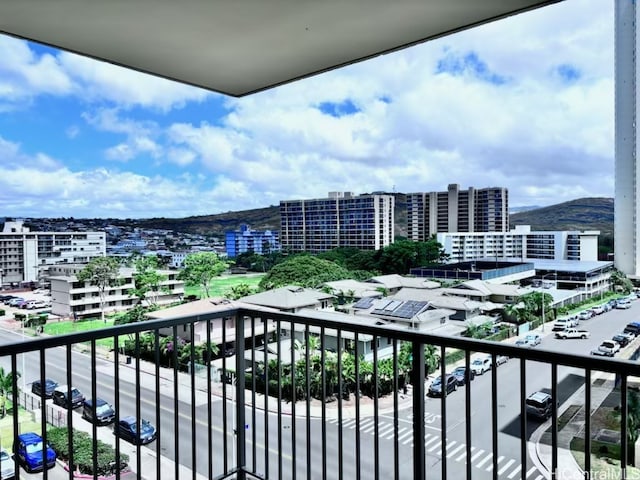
455	451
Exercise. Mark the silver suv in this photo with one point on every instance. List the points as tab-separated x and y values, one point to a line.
539	405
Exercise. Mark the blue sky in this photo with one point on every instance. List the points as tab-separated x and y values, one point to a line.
525	103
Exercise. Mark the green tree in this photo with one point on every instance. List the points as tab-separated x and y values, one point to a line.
147	280
305	271
403	255
200	269
239	291
101	272
6	386
620	282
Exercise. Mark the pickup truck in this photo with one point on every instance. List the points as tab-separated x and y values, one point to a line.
572	333
608	348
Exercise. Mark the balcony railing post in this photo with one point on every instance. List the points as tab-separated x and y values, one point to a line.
239	406
417	379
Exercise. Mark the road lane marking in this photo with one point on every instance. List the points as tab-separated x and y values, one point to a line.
437	445
506	466
490	467
464	454
484	460
455	450
515	471
408	433
476	455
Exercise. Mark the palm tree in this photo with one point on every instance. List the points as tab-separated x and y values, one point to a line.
6	386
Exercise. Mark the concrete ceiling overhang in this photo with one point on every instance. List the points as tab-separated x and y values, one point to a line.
238	47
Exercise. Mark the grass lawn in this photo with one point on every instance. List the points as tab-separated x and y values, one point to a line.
221	285
26	423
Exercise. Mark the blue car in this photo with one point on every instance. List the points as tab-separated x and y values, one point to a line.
29	452
127	430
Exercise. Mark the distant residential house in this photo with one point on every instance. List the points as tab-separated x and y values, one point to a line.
291	299
393	283
216	326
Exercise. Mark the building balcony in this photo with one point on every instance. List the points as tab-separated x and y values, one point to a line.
218	422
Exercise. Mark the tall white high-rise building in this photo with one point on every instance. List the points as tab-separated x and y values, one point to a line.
627	190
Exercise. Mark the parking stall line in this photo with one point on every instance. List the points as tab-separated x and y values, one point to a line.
464	455
531	470
408	433
435	446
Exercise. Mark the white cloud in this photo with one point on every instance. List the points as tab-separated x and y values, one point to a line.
525	103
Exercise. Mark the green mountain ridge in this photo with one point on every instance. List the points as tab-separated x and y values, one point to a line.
582	214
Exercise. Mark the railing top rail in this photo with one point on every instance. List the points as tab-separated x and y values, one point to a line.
350	323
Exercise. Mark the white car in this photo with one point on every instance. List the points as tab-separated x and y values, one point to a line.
481	365
7	465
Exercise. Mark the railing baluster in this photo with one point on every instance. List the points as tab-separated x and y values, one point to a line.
624	428
157	396
116	399
396	419
443	411
308	395
176	404
376	439
266	407
225	377
419	457
340	390
241	461
523	418
279	393
69	410
192	363
587	424
323	411
467	409
494	414
94	428
43	409
265	328
357	428
139	410
294	473
554	421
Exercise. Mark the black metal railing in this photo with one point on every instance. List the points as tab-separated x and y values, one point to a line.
306	397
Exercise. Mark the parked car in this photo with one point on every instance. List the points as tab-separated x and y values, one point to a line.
539	405
61	397
7	465
29	452
598	309
500	359
623	304
35	304
47	391
481	365
14	301
623	339
463	375
127	429
632	328
435	389
585	315
104	412
608	348
6	298
563	323
533	339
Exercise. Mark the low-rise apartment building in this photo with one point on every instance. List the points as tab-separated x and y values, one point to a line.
73	298
26	255
521	243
